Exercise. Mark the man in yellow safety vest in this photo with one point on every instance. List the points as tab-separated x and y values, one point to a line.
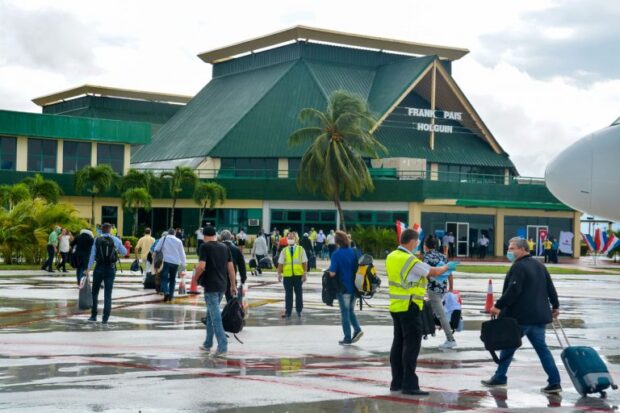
407	277
293	267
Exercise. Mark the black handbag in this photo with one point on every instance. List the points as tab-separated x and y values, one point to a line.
501	333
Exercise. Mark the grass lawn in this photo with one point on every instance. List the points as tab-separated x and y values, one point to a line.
503	269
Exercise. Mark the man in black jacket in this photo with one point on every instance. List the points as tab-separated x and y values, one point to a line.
528	296
83	244
237	258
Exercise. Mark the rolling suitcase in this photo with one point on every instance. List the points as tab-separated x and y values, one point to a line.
585	367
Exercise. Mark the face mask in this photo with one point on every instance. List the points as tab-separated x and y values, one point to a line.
511	256
290	241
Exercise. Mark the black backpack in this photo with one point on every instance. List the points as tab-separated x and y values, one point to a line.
105	251
233	316
330	289
428	320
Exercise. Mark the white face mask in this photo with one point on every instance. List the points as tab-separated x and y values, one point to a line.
290	241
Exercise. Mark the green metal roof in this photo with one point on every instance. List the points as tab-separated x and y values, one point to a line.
548	206
69	127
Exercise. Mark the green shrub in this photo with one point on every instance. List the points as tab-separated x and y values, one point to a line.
377	242
132	240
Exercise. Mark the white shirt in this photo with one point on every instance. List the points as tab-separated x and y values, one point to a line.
199	235
260	246
320	238
63	243
173	250
484	242
242	235
331	239
304	257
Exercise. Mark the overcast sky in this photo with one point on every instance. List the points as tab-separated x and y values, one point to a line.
541	73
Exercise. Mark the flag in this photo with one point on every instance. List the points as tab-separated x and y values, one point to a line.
542	236
417	228
587	238
598	240
400	227
612	242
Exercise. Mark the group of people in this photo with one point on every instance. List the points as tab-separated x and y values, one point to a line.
550	248
59	244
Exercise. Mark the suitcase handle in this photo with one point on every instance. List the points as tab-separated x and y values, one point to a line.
553	321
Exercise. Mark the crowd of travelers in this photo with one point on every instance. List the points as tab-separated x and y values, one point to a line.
417	278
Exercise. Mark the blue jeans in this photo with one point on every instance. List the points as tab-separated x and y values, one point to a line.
536	335
169	278
347	315
106	275
214	322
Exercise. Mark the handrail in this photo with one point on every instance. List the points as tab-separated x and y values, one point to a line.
376	173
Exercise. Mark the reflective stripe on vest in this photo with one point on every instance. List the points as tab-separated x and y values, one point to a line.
398	264
292	264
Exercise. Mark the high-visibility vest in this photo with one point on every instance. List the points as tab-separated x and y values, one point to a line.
292	262
398	264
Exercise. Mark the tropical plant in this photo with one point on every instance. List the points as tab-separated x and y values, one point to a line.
141	179
95	180
134	199
374	241
181	175
208	194
11	195
339	140
45	189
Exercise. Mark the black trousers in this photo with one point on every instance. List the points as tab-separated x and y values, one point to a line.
406	348
103	274
51	252
293	284
483	251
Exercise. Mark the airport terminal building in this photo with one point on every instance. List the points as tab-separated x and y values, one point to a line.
444	168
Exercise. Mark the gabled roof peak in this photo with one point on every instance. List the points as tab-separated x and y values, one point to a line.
334	37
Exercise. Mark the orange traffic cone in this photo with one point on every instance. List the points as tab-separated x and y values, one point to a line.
489	302
193	288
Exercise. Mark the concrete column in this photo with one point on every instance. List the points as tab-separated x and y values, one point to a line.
126	158
59	156
415	213
119	221
266	217
93	154
577	232
434	171
506	176
499	232
282	167
21	163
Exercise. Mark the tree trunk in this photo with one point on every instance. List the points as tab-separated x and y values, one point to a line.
340	214
135	222
92	210
174	202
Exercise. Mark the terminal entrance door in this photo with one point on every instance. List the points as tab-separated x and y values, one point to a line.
460	230
533	233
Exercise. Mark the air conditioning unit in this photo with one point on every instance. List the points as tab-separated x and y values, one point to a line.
253	222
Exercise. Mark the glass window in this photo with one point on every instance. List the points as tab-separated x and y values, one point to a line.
312	215
277	215
42	155
385	218
8	152
365	216
76	155
294	215
109	214
328	216
293	167
111	154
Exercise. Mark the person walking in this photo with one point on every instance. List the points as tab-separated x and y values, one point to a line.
407	277
174	259
241	239
331	243
344	266
483	244
275	241
237	259
214	268
83	243
259	250
64	247
292	272
306	244
143	247
105	252
52	248
530	297
312	235
199	239
437	289
320	242
547	245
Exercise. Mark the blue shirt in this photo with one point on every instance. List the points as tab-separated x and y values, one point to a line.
117	243
344	264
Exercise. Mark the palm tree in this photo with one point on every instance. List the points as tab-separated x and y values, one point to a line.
40	187
95	180
132	200
208	193
141	179
339	139
12	195
176	179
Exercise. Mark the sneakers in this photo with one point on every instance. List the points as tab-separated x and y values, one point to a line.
93	319
220	354
448	345
104	323
205	348
552	389
493	382
357	336
345	342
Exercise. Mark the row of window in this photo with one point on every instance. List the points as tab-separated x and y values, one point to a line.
43	153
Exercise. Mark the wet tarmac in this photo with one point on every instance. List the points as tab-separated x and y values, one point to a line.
148	358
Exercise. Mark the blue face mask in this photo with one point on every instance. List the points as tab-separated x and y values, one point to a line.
511	256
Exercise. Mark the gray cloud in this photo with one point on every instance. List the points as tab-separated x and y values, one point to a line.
48	39
589	54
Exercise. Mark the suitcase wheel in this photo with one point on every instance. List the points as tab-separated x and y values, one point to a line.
614	386
603	394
